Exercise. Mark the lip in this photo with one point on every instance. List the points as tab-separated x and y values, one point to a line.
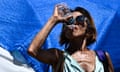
71	26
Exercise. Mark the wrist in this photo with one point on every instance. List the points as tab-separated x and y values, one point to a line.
54	19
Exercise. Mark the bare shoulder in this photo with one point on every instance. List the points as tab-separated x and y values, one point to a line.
107	54
111	68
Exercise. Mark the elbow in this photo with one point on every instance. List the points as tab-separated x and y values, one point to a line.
31	52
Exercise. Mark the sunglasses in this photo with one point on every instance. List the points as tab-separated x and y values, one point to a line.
79	20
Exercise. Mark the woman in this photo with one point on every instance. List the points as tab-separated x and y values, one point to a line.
77	33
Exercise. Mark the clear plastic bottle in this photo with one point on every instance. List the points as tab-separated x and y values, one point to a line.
63	9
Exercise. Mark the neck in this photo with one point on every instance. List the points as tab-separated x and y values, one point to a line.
78	44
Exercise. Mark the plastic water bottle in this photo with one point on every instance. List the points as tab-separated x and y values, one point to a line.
63	9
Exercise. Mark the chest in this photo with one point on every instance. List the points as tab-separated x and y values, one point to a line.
85	59
84	56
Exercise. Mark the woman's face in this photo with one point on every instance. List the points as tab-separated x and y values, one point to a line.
78	27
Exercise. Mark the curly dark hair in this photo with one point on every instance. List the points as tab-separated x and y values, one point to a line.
90	32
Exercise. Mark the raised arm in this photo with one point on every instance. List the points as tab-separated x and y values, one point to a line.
35	47
41	36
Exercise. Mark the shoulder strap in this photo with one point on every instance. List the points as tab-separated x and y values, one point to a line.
102	57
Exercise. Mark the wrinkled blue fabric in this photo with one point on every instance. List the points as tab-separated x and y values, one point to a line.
20	21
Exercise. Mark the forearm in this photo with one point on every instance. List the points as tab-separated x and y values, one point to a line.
42	35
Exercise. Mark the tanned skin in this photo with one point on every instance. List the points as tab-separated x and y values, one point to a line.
84	56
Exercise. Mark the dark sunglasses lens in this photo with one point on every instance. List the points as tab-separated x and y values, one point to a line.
70	21
80	19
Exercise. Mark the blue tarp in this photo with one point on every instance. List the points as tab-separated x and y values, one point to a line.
20	20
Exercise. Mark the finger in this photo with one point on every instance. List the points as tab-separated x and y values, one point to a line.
56	10
67	17
62	4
